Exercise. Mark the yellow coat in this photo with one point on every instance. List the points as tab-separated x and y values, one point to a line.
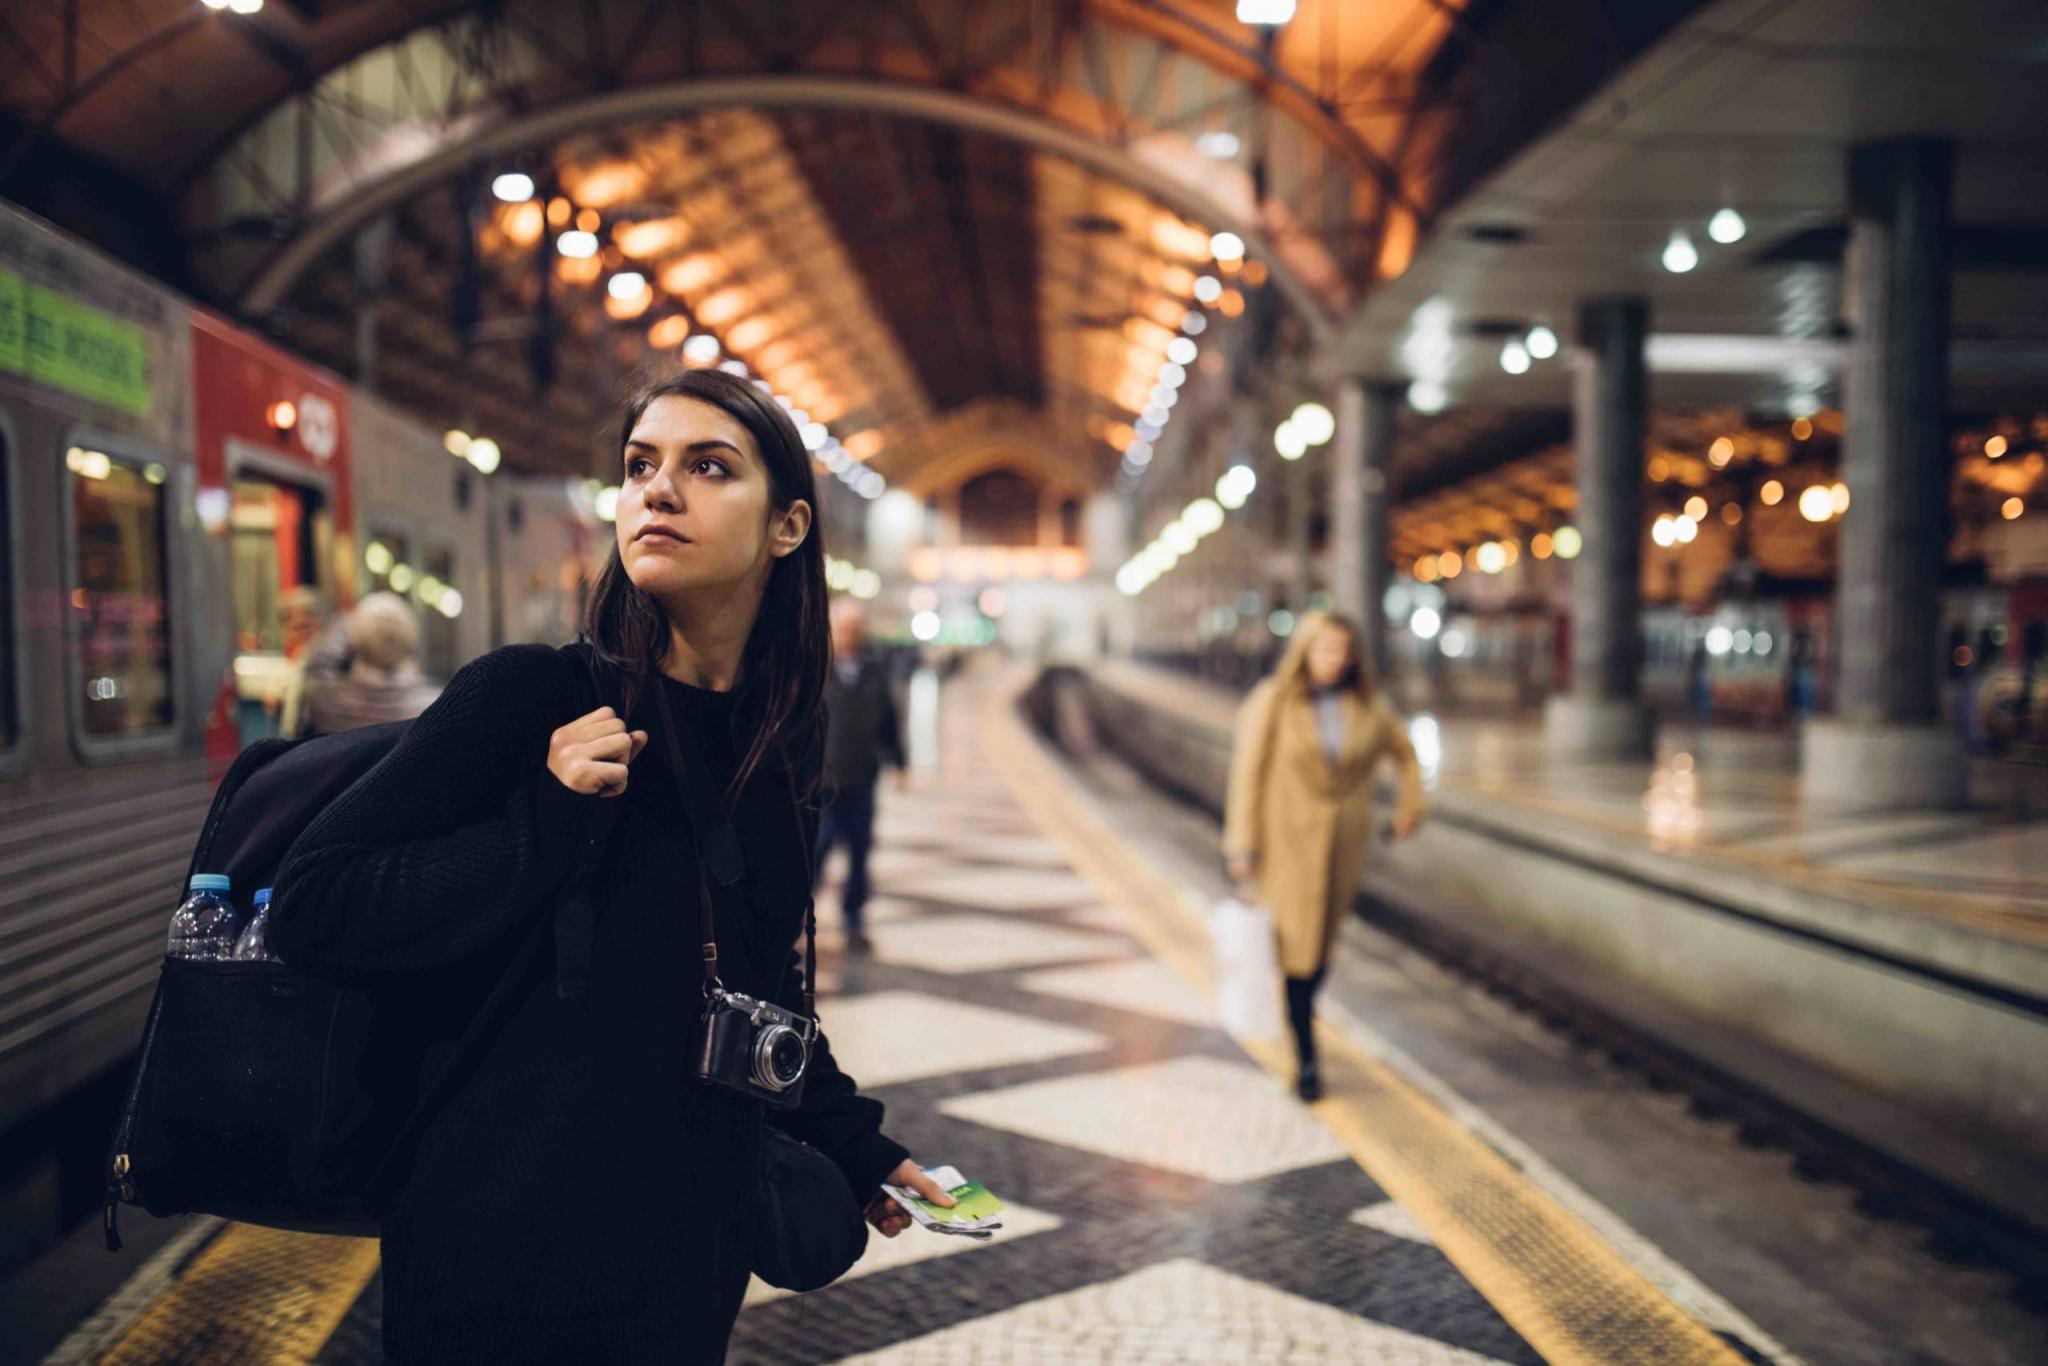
1308	824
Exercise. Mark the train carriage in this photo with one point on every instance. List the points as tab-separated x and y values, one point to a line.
166	478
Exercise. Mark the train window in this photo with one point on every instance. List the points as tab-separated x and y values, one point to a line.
10	720
387	564
120	593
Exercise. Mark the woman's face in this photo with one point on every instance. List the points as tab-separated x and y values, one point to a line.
1329	655
695	506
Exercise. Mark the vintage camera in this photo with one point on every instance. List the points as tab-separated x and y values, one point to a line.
754	1047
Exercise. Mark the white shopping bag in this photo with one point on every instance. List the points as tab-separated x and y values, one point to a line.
1247	970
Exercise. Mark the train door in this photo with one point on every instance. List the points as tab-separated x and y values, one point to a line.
282	586
438	655
272	452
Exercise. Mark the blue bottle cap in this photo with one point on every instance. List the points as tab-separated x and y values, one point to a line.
263	896
211	882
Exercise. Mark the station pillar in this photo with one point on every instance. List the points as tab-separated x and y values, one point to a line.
1602	716
1886	746
1359	491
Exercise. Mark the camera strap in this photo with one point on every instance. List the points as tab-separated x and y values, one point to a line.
720	860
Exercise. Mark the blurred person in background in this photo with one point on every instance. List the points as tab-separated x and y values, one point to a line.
315	646
383	681
1299	816
861	735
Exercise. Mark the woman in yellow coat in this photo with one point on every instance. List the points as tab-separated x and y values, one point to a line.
1299	817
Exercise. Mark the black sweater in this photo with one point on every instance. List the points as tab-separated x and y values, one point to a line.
578	1195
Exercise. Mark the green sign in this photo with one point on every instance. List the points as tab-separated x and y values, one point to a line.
72	346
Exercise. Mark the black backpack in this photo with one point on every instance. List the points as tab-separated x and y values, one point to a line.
273	1096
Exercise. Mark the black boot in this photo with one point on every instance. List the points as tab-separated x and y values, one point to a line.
1301	995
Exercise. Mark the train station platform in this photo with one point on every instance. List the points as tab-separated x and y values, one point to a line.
1036	1010
1885	976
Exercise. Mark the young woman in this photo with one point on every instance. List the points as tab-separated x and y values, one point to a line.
579	1195
1299	815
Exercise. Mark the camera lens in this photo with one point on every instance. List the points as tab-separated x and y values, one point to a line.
786	1058
779	1057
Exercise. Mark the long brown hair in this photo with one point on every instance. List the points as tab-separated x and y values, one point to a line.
1291	674
789	650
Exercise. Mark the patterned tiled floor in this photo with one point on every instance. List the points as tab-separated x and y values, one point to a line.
1174	1203
1169	1200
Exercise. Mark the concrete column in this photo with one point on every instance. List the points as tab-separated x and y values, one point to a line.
1603	715
1887	747
1360	550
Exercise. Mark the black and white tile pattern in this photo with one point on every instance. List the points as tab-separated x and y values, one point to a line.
1175	1203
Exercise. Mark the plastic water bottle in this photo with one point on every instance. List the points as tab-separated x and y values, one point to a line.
254	945
206	925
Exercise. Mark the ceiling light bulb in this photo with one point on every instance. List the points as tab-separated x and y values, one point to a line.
1208	289
1289	442
1726	226
701	349
577	244
1542	342
1181	351
1428	396
627	284
1218	145
513	187
1227	246
1514	357
1264	11
1680	255
1314	423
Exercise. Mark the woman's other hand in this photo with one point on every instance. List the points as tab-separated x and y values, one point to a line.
1241	867
590	754
891	1218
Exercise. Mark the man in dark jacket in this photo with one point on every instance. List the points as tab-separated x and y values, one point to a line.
861	734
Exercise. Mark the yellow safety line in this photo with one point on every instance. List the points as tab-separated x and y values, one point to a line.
254	1295
1568	1293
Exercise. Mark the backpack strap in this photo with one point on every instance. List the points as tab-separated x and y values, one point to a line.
576	915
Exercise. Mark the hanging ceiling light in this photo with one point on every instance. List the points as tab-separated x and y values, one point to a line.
1264	11
1680	255
1541	341
1428	396
1314	423
513	187
1726	226
1514	357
